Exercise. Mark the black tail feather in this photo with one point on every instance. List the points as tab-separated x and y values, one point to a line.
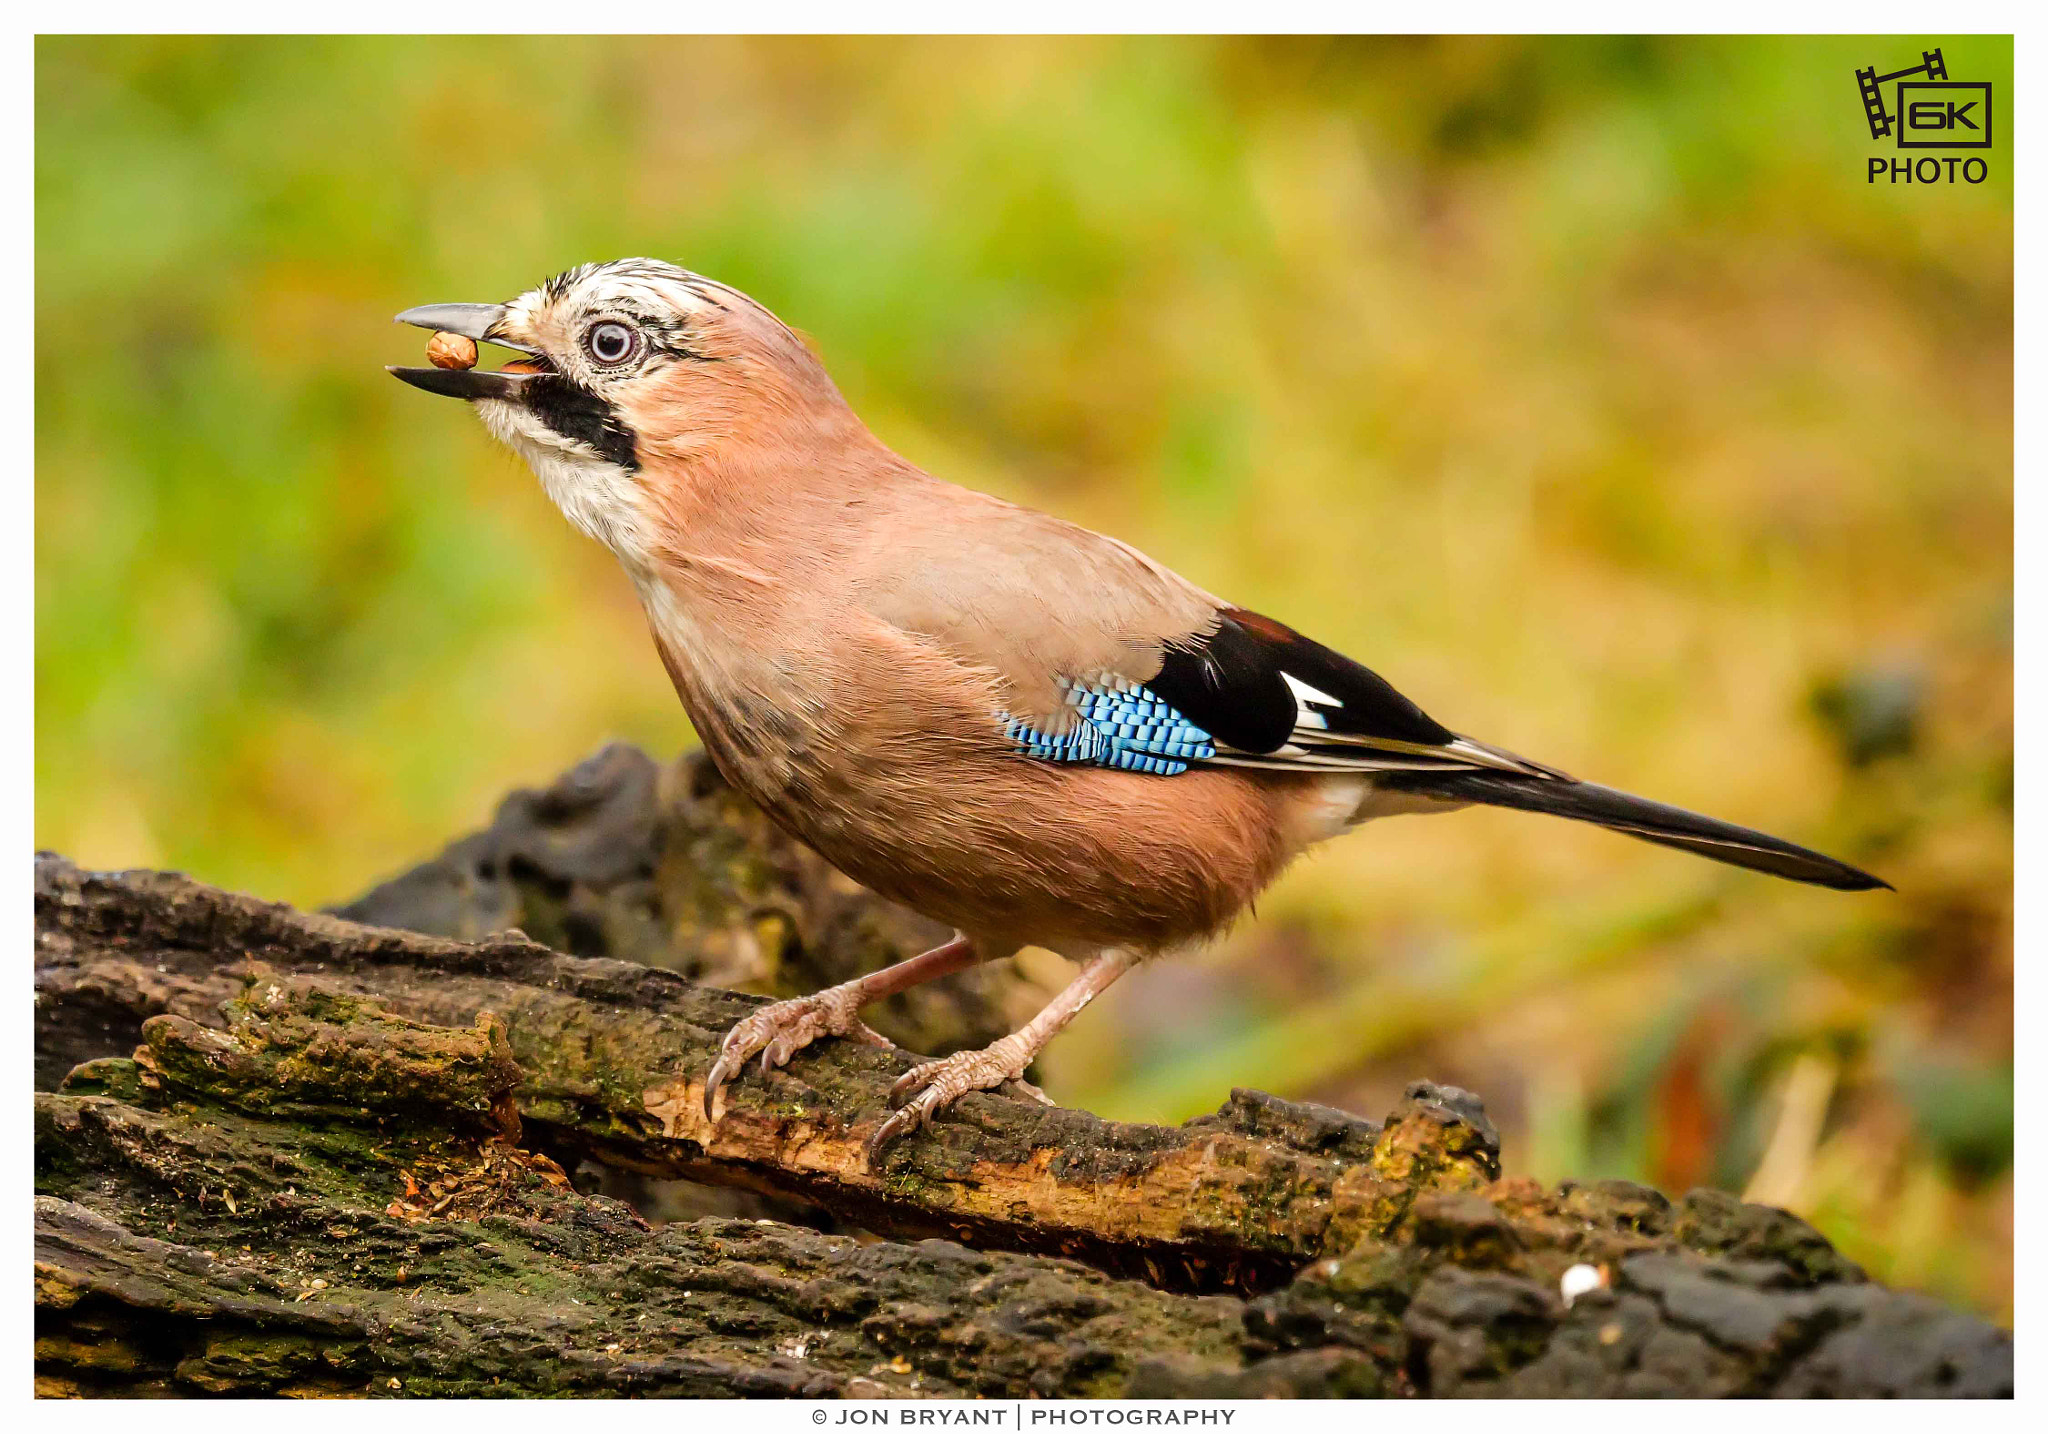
1638	817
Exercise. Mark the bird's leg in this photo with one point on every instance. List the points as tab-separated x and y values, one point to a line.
781	1030
924	1090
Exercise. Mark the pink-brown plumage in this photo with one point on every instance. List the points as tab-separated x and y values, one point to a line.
850	642
1023	729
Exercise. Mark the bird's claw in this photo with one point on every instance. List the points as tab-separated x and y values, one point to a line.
779	1031
910	1080
924	1090
722	1071
898	1125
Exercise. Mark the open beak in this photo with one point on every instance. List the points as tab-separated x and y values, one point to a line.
481	323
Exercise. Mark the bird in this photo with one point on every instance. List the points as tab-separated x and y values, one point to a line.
1029	732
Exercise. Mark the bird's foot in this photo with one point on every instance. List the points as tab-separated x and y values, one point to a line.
923	1091
779	1031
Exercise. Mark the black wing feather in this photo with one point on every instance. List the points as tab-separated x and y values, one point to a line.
1233	683
1230	683
1640	817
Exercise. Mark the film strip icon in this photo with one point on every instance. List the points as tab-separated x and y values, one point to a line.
1872	84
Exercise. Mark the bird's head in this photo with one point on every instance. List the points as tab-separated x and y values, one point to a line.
630	373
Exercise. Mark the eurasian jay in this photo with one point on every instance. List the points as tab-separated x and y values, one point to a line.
1024	730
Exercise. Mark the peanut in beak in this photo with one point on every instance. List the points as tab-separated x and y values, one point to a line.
446	350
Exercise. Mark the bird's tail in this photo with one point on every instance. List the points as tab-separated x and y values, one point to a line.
1638	817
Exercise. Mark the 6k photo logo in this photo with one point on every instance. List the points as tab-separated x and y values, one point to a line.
1928	111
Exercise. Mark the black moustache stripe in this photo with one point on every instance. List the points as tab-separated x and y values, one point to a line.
575	412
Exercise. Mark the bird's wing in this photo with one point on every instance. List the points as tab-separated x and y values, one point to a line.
1105	656
1025	596
1099	655
1269	697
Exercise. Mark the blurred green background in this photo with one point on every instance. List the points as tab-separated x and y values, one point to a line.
1584	388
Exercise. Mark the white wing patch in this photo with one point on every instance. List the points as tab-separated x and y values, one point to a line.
1316	748
1304	715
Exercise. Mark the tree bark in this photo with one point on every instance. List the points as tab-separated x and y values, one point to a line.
302	1155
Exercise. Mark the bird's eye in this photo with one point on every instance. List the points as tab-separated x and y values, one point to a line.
611	342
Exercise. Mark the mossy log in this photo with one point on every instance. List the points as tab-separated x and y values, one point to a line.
303	1155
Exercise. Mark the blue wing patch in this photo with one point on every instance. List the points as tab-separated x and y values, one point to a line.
1123	724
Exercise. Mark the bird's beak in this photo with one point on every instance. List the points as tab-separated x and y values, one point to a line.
483	323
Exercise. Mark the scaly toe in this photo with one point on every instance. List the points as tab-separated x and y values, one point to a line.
777	1052
912	1081
1023	1089
778	1032
868	1035
924	1090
